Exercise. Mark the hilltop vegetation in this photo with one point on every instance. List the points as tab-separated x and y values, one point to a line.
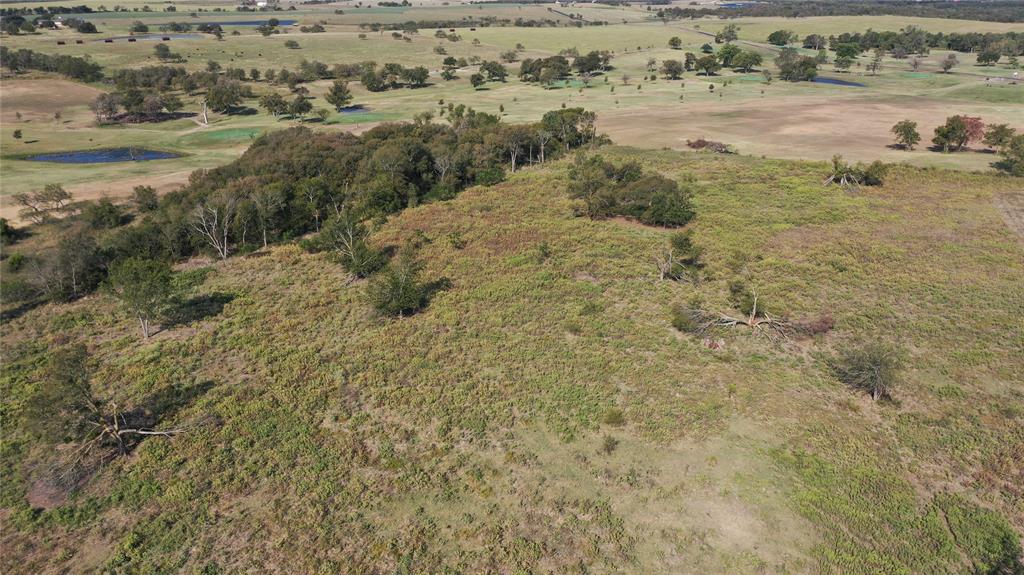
542	413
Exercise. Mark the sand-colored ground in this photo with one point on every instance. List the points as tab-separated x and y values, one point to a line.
806	127
41	98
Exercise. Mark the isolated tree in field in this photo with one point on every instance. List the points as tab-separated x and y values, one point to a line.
397	291
144	288
795	68
949	62
346	236
728	34
998	136
747	60
906	134
957	132
989	57
163	52
495	71
781	37
299	107
477	80
876	61
708	64
339	95
274	103
872	367
1013	156
652	64
726	55
675	42
672	69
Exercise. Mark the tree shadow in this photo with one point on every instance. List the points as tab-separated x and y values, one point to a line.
20	310
433	288
197	308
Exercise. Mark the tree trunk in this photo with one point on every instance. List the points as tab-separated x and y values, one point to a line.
145	327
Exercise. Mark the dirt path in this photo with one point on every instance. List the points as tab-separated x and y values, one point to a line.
1011	207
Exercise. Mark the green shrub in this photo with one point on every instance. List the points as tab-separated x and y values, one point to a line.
397	291
872	367
490	176
15	263
103	215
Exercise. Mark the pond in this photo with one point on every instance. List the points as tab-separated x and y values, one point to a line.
838	82
103	156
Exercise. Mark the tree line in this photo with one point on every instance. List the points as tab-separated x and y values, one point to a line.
70	66
287	184
985	10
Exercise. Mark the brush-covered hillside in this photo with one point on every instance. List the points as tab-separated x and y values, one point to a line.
550	410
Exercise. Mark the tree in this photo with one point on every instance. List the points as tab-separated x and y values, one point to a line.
299	107
163	52
988	57
906	134
274	103
848	50
709	64
417	77
143	287
675	42
876	61
957	132
477	80
211	220
268	202
842	63
781	37
397	291
495	71
727	54
728	34
346	236
224	95
1013	156
872	367
339	95
747	60
106	107
794	67
949	63
672	69
998	136
145	198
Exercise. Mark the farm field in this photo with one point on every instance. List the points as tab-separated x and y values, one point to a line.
347	293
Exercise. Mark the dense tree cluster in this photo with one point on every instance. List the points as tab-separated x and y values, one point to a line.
70	66
287	184
608	190
391	76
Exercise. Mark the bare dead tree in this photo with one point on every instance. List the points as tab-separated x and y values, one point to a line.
543	137
775	329
211	221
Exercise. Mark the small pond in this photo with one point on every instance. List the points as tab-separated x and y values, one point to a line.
103	156
838	82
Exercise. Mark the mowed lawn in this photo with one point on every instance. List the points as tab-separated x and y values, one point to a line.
467	437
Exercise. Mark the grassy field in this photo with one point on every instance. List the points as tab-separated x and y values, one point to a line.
780	119
466	438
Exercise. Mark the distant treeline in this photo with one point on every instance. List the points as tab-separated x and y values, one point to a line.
987	10
914	40
70	66
416	25
45	10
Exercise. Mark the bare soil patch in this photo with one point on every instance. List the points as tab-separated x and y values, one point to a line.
39	98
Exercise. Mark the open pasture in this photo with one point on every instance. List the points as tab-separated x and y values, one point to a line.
781	119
